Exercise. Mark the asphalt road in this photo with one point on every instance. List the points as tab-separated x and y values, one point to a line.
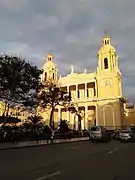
79	161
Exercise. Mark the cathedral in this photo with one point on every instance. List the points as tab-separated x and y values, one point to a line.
97	96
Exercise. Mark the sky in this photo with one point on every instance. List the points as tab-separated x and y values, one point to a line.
72	30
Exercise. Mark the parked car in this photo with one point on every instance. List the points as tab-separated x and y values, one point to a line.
127	135
99	133
116	135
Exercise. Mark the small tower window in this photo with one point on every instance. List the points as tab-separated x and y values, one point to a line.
87	93
45	76
53	76
49	58
78	94
106	63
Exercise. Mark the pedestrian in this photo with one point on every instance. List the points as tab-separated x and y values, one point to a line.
52	135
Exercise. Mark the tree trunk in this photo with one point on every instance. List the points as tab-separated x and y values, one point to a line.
5	113
5	107
7	110
51	117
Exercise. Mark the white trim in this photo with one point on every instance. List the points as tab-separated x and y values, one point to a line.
95	99
74	84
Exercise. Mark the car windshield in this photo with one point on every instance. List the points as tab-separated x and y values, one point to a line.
133	128
95	128
126	131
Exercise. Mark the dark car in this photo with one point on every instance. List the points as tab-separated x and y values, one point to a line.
99	133
127	135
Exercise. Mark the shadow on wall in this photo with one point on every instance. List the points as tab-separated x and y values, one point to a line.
129	118
91	116
111	115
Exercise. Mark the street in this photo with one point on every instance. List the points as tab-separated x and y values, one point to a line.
79	160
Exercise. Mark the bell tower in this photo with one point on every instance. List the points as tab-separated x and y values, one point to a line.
50	70
107	57
108	73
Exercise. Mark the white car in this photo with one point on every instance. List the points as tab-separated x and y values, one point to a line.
127	134
99	133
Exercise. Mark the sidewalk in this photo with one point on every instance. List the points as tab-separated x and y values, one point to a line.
5	146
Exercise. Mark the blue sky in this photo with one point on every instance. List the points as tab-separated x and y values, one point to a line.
73	30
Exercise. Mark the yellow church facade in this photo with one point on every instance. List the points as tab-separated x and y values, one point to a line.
97	96
16	111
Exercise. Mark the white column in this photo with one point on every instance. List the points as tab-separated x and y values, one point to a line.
59	115
68	89
76	121
67	115
72	121
85	90
86	117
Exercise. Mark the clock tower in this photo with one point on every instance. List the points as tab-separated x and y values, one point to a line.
108	74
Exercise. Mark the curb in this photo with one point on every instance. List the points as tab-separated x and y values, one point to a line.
44	144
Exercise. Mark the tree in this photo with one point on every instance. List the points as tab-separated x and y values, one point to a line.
52	95
19	81
74	110
35	119
63	127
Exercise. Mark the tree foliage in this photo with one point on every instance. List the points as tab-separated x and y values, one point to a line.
51	95
63	127
19	80
35	119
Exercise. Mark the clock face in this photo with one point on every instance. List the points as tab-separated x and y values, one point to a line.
107	82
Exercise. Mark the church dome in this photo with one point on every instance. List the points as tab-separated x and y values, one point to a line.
106	46
49	62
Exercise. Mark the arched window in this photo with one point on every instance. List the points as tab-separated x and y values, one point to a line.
78	94
45	76
49	58
53	75
106	63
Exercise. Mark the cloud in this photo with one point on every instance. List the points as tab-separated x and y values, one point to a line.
73	30
12	4
40	22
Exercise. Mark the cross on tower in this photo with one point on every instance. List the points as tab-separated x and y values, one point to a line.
106	32
72	69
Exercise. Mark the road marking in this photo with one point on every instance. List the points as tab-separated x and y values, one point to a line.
112	151
48	176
